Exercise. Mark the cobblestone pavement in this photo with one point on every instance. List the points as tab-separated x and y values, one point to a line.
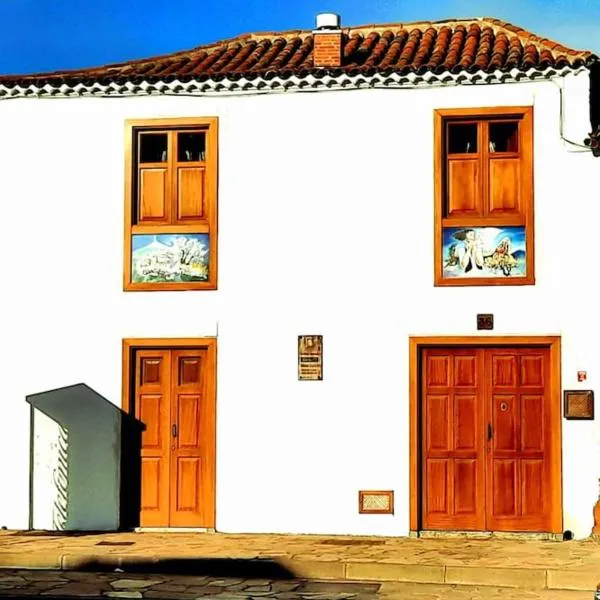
75	584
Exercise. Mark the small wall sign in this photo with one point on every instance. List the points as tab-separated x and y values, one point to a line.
581	376
579	404
310	357
376	503
485	321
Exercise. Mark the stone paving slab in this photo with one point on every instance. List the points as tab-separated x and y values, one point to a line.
572	565
62	584
414	591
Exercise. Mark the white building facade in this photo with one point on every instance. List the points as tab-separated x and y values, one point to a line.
326	208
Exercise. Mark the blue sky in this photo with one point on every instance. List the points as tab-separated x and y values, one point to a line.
45	35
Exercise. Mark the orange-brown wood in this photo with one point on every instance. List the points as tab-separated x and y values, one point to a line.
192	451
190	193
505	186
497	192
519	444
453	456
188	184
506	220
530	356
152	397
151	230
464	187
153	206
172	196
176	401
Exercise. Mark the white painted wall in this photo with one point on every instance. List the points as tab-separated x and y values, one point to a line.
326	226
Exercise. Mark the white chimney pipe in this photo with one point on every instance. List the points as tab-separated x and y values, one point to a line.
328	21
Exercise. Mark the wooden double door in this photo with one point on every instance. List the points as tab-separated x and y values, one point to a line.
486	439
175	402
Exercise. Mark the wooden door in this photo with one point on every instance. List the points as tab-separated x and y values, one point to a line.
174	400
519	471
152	408
486	438
453	447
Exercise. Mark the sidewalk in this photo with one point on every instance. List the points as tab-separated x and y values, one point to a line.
541	565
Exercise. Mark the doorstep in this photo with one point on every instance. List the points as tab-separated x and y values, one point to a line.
484	535
507	563
174	530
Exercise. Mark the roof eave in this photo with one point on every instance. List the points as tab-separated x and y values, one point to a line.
314	79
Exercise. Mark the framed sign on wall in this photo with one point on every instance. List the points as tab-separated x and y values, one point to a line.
310	357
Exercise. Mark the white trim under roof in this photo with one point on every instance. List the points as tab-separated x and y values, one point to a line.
279	84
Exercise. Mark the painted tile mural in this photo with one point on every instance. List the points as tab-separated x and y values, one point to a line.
169	258
484	252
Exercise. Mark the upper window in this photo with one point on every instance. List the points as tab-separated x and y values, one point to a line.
171	204
484	196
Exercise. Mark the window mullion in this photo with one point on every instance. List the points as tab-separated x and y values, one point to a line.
484	157
172	176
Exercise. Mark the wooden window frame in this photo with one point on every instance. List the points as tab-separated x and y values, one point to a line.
524	114
198	226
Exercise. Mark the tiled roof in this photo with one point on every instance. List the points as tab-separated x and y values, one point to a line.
456	46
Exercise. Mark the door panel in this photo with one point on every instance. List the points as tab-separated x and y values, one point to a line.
519	452
176	404
191	482
152	409
438	485
505	410
465	486
504	489
453	458
532	423
486	439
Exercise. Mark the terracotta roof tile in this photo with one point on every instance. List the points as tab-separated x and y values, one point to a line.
454	45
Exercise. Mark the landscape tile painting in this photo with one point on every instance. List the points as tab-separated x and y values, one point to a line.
484	252
169	258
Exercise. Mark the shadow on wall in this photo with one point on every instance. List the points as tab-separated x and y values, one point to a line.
85	460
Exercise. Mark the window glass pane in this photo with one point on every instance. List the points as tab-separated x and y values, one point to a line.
462	138
153	147
504	137
191	147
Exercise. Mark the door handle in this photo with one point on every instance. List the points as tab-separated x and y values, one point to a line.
174	430
489	432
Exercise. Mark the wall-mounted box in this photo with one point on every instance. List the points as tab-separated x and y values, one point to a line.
579	404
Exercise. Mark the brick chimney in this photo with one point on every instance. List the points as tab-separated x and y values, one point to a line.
327	41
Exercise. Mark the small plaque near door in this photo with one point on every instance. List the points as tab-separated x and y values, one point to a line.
579	404
485	321
310	357
376	503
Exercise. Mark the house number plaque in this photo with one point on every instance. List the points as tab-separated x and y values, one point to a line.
485	321
310	357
